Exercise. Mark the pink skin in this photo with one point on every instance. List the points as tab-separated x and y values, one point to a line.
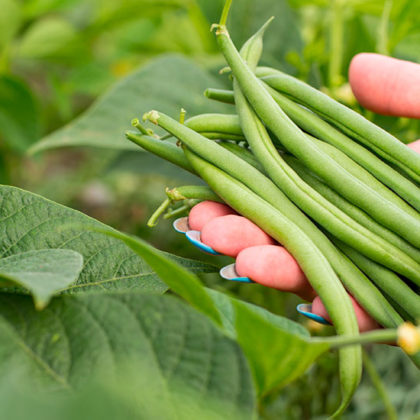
205	211
381	84
365	321
415	145
284	273
386	85
232	233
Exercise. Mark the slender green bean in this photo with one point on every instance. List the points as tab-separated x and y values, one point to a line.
187	192
362	289
222	136
314	204
354	212
220	95
386	280
163	149
298	144
364	176
243	153
219	123
317	269
365	131
311	123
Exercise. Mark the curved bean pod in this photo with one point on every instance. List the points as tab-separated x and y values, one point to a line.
220	123
388	281
165	150
345	118
359	286
354	212
295	141
364	176
316	126
313	263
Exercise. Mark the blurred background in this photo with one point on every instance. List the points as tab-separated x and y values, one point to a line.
57	57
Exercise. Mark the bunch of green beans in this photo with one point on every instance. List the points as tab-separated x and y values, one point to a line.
314	181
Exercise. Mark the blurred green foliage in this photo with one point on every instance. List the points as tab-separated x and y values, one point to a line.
58	56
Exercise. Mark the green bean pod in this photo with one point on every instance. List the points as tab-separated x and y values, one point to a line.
220	123
163	149
364	176
242	153
314	204
214	135
317	269
386	280
355	124
187	192
297	143
311	123
314	125
354	212
359	286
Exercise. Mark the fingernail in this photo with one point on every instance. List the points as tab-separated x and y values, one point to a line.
229	273
306	310
181	225
194	237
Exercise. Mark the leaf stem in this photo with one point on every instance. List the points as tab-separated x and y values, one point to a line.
225	13
375	336
379	385
382	46
152	222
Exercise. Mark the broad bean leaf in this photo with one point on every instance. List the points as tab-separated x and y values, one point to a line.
19	114
10	20
167	347
168	83
43	273
46	38
278	350
29	222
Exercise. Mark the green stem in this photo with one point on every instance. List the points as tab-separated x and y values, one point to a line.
135	122
375	336
382	46
176	212
379	385
196	192
336	44
152	222
225	13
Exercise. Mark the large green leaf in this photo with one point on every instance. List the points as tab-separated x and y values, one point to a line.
43	273
46	37
19	116
10	19
167	83
278	350
29	222
167	347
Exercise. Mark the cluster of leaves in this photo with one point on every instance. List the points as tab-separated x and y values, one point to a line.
111	341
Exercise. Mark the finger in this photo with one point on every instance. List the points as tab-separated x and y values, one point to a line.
365	321
205	211
273	266
415	145
232	233
386	85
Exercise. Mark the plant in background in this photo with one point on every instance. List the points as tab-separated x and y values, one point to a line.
107	329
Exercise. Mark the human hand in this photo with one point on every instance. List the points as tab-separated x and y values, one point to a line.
257	256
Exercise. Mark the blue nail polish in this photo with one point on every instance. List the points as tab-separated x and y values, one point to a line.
194	237
306	310
229	273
